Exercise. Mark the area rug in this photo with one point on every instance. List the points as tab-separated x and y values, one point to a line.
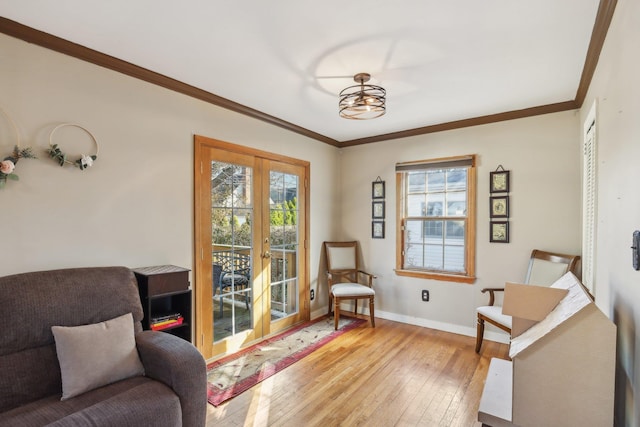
236	373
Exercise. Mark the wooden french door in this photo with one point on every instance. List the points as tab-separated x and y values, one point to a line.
250	245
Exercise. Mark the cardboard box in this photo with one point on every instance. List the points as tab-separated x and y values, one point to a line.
563	356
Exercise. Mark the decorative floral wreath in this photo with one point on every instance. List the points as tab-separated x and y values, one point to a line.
83	162
8	165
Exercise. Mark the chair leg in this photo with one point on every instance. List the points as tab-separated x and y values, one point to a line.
371	313
336	313
355	306
330	303
479	334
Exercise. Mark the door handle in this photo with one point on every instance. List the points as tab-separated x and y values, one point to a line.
267	254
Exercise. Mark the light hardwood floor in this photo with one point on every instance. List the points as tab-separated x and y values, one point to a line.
393	375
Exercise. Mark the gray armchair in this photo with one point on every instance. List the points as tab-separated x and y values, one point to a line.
172	391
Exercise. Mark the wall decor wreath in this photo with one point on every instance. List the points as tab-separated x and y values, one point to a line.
8	164
83	161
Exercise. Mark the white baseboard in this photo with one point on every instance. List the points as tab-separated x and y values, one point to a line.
442	326
318	313
425	323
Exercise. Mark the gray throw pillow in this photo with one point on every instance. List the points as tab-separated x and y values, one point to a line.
92	356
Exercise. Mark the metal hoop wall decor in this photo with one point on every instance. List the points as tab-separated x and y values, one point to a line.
13	125
83	162
8	164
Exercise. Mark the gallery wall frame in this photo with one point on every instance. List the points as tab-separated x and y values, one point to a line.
499	232
377	189
499	207
377	209
377	229
499	180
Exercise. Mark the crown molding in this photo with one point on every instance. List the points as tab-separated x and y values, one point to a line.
459	124
604	16
598	36
57	44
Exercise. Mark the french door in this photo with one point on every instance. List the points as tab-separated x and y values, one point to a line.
250	236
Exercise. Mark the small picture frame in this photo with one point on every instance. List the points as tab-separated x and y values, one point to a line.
499	181
499	207
377	190
499	232
377	210
377	229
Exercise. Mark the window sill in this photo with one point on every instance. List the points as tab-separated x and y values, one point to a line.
458	278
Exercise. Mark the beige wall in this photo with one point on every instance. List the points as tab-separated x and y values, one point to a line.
135	206
543	155
616	89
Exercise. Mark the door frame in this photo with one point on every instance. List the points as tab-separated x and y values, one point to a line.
202	275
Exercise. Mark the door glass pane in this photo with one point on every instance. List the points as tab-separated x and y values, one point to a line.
283	240
231	251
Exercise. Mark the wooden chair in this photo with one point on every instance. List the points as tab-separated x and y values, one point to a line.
343	278
544	269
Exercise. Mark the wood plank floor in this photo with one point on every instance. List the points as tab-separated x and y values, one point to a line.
393	375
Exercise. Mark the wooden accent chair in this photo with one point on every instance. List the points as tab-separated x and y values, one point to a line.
343	278
544	269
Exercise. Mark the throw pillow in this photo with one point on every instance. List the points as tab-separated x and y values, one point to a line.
92	356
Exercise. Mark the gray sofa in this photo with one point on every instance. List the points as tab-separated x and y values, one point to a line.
172	391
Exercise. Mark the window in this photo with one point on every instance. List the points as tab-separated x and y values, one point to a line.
436	221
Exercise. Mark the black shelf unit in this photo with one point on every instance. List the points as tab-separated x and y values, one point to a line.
164	290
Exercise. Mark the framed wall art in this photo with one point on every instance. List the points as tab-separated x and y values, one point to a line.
377	189
499	181
377	229
499	207
377	209
499	232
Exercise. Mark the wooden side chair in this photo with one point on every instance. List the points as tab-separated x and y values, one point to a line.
344	276
544	269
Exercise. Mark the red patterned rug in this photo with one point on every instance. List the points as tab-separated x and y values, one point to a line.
238	372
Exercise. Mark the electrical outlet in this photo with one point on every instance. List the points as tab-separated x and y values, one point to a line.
425	295
313	294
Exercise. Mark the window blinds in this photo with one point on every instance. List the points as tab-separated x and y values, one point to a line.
436	164
589	206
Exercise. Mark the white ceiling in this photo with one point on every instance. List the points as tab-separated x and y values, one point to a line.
439	61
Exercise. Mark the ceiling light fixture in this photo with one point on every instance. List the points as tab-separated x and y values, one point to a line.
362	102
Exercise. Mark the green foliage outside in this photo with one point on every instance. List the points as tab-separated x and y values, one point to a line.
284	220
226	227
285	215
